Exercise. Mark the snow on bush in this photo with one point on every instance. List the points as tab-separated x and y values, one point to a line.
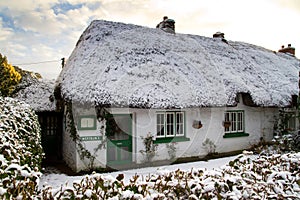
247	177
20	150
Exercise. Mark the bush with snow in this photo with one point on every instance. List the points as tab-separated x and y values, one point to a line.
20	149
285	143
247	177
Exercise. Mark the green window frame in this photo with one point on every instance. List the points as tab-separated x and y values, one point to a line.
236	120
87	122
170	127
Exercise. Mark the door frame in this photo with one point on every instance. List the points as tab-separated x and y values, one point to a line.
120	143
55	135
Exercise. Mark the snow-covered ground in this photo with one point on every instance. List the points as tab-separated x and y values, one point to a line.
274	176
57	179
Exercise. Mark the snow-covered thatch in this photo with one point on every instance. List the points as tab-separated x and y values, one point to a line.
127	65
39	95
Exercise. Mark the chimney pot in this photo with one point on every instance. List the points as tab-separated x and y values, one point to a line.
289	49
219	35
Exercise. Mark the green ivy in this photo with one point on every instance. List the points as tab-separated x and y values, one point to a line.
150	148
83	152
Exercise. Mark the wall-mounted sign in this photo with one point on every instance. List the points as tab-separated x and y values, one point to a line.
90	138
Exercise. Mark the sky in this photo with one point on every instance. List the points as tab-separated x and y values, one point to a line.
36	34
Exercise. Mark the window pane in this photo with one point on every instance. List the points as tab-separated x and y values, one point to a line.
120	126
240	121
160	124
179	124
233	122
87	122
112	154
124	153
170	124
227	119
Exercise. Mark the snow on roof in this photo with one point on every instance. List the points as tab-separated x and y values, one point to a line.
39	95
128	65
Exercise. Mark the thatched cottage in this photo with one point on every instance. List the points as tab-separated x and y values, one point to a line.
124	83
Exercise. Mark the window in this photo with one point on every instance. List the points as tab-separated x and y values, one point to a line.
160	121
87	123
179	124
235	120
234	124
289	120
170	124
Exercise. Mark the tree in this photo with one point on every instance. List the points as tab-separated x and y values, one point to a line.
9	77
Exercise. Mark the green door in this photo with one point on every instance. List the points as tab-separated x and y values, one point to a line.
119	143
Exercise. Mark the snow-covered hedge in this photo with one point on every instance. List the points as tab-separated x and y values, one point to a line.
247	177
20	149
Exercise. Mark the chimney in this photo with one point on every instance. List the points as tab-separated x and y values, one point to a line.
219	35
289	49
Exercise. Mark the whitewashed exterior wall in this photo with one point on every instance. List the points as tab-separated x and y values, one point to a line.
259	123
68	145
91	139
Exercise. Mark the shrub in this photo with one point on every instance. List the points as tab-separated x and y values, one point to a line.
246	177
209	146
296	141
9	77
287	143
20	149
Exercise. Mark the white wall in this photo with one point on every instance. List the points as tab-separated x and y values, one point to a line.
71	154
258	123
68	145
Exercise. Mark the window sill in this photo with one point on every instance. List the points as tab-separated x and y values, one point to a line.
232	135
170	140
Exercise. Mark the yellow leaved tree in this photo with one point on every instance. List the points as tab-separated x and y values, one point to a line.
9	77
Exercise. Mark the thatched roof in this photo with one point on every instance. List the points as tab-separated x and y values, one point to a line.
39	94
127	65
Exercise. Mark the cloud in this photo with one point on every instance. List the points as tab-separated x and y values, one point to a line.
290	4
41	17
42	21
5	32
34	24
16	6
18	50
